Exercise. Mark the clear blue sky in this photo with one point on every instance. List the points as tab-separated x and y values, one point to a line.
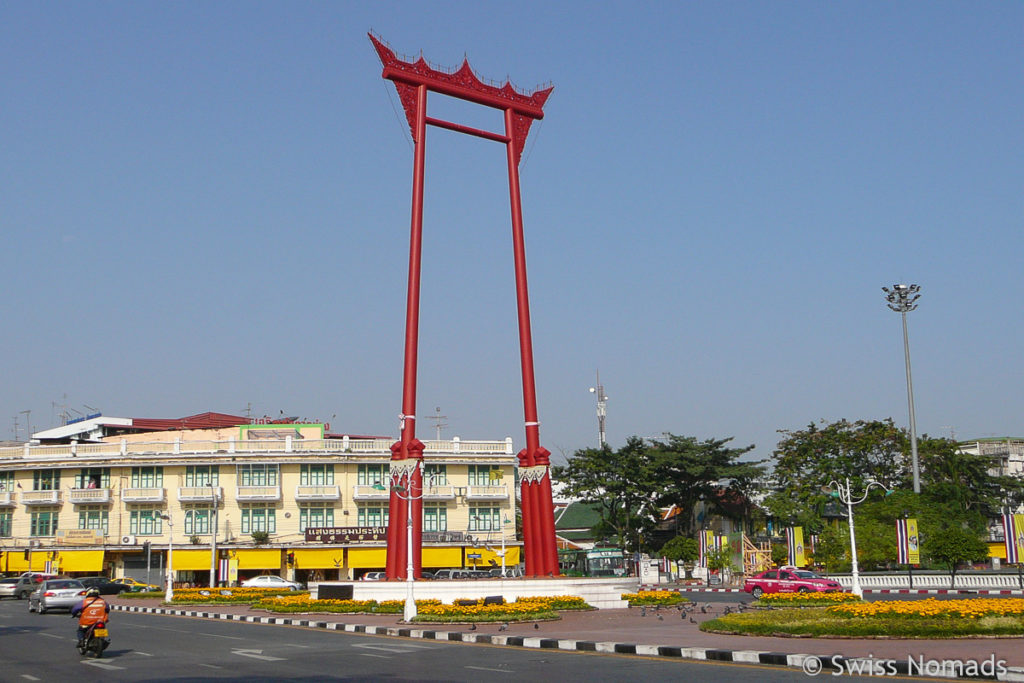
206	206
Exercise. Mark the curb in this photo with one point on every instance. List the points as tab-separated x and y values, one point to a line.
809	664
878	591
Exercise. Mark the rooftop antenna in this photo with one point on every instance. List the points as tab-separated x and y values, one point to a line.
602	405
15	427
952	431
439	421
28	423
248	411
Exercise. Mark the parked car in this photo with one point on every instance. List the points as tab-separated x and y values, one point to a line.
9	587
105	585
789	580
510	572
56	594
451	574
374	576
137	586
28	582
271	581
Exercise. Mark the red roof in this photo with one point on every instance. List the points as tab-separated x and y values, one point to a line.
199	421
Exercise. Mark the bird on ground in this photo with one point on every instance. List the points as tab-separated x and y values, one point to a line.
643	611
692	620
472	627
661	618
503	627
536	626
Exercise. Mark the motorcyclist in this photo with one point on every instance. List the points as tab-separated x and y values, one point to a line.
91	609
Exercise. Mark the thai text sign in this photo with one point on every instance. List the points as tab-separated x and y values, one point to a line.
79	537
346	534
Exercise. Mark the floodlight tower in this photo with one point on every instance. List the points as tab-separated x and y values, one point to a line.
413	80
903	299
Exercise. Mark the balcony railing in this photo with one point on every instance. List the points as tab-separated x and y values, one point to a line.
346	445
487	492
368	492
439	492
143	494
199	494
83	496
317	492
258	493
40	497
6	499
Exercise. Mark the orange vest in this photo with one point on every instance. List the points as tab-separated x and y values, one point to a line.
95	610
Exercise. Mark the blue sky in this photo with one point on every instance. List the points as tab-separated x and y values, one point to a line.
205	206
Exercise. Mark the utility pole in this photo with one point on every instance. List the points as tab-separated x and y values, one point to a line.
439	421
602	403
902	299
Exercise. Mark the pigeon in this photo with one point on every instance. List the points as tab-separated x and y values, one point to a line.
503	627
692	620
643	611
661	618
728	610
472	627
704	609
536	626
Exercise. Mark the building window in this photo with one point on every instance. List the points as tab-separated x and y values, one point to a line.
257	475
316	475
5	524
484	519
44	522
258	518
315	516
46	480
197	520
435	518
7	481
147	477
436	475
484	475
93	517
370	475
93	478
373	516
202	475
145	521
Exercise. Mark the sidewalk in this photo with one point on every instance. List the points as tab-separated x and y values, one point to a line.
663	633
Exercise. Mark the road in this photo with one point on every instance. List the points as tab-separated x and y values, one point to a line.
163	648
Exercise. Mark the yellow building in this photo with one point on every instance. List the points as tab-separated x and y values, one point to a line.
287	499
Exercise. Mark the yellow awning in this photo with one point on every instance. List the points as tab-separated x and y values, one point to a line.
80	560
442	557
185	560
15	562
319	558
258	559
491	558
362	558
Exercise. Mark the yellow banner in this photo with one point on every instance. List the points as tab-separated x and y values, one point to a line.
191	560
80	560
796	552
913	543
319	558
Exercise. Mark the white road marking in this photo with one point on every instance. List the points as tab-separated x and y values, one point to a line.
484	668
257	654
144	654
211	666
367	654
50	635
102	665
29	677
217	635
396	649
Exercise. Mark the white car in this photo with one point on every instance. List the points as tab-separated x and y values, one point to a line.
374	576
271	582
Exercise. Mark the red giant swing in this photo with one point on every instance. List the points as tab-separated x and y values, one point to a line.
413	79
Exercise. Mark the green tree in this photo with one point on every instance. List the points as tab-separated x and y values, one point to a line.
681	549
832	548
620	484
808	459
688	471
955	545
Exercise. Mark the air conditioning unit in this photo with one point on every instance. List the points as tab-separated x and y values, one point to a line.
128	540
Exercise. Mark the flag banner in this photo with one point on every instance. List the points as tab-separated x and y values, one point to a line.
908	549
1013	531
707	543
795	541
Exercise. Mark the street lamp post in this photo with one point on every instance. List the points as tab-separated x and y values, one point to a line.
902	299
842	492
504	522
406	494
170	558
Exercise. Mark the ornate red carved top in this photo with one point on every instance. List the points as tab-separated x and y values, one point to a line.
462	84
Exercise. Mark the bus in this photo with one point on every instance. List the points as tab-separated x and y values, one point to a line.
593	562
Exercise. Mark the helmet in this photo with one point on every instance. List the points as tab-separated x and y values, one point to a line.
92	592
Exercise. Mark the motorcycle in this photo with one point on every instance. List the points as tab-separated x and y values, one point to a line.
95	640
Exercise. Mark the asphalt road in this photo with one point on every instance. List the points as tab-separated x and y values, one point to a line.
164	648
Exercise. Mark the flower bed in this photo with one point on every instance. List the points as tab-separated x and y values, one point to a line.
654	598
804	599
432	610
928	618
243	596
